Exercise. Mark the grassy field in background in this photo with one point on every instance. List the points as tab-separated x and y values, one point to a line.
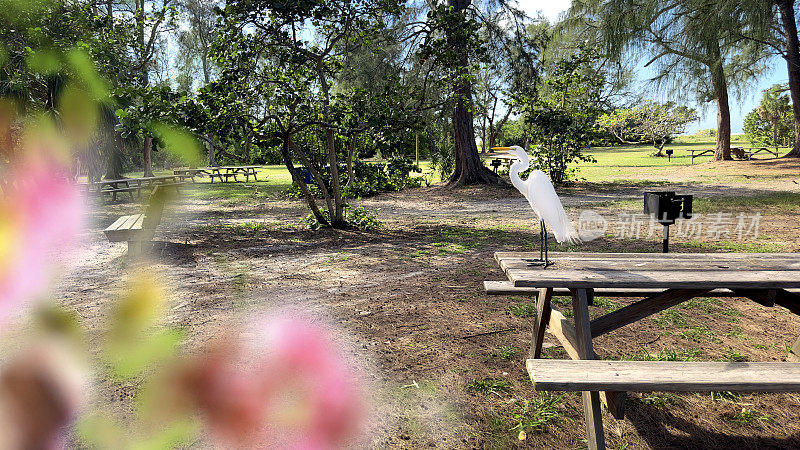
626	162
630	165
272	179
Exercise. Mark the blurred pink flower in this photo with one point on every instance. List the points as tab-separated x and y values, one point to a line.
282	385
40	212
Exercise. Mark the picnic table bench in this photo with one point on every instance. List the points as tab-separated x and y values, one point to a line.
138	229
664	280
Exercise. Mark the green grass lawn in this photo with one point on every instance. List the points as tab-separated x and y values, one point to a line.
636	165
272	179
619	163
625	165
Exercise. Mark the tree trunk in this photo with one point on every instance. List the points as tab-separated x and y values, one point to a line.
483	135
468	166
775	125
113	156
212	155
793	64
720	86
351	146
337	212
287	160
148	148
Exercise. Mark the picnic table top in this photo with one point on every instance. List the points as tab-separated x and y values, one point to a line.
655	270
203	169
126	180
498	155
231	167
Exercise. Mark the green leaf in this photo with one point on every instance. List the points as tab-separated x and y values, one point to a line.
173	436
179	143
45	62
131	357
85	71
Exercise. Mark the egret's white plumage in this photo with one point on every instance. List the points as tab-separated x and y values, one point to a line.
542	197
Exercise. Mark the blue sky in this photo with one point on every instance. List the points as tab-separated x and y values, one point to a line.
708	114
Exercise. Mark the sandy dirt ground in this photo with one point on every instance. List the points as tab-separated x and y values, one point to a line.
408	303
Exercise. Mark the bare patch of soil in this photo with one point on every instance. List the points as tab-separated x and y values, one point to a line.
409	301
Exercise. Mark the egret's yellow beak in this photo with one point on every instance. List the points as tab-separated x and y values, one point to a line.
501	148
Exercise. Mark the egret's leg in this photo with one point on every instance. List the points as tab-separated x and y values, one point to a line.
546	259
542	237
542	247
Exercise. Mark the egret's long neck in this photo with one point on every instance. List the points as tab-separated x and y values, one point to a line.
517	167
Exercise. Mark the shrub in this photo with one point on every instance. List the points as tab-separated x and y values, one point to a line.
369	179
359	217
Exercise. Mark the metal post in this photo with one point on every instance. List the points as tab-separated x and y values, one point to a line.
665	241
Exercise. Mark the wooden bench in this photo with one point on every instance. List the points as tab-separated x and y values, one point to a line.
138	229
647	376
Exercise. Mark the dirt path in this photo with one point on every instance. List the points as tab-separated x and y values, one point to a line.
406	299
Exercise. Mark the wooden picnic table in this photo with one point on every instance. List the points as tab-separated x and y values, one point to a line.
131	185
668	279
499	159
698	153
227	172
756	150
745	153
190	172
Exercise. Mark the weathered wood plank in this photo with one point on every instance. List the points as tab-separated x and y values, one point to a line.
116	223
591	399
123	231
507	288
129	222
656	261
583	332
560	327
646	376
595	435
584	279
644	256
137	226
641	309
540	322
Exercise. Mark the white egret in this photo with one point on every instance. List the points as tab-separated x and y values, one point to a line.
543	199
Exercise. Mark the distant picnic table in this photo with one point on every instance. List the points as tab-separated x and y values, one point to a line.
664	280
499	159
222	173
135	185
744	153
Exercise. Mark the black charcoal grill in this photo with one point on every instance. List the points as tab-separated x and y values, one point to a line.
666	207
